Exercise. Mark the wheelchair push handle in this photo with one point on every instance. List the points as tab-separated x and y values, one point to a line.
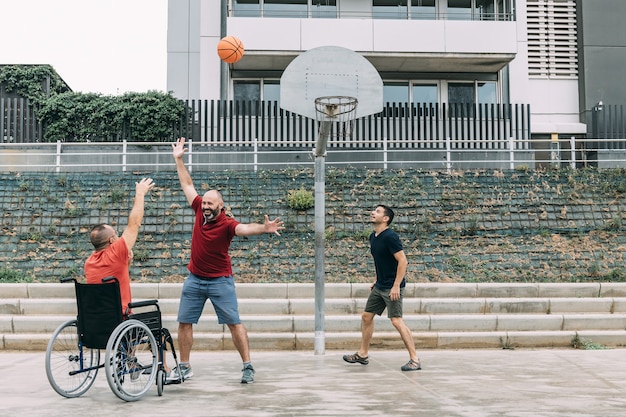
144	303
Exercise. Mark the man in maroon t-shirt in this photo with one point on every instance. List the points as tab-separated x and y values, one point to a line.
210	271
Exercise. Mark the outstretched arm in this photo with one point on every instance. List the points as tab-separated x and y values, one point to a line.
251	229
136	213
178	150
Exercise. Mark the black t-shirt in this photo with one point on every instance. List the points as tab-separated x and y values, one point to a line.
383	247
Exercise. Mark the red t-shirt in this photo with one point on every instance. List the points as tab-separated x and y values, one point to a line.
111	262
210	243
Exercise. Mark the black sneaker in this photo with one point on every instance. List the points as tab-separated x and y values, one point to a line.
355	358
412	365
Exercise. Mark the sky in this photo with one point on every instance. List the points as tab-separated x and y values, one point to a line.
97	46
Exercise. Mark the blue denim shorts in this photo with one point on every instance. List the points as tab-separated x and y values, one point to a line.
221	292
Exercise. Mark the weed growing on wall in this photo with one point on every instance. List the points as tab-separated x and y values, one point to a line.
300	199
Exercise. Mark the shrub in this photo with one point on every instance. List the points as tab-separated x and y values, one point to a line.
300	199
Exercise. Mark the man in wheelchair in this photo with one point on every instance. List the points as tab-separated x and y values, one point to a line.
113	254
134	342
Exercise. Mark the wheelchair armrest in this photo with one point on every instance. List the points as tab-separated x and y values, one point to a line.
143	303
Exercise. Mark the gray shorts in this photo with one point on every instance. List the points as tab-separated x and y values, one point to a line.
378	300
221	292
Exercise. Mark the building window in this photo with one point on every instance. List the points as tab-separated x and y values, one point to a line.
423	9
425	93
395	93
552	47
463	95
246	8
389	9
381	9
459	10
251	91
271	90
324	9
486	9
246	90
285	8
486	92
479	10
421	93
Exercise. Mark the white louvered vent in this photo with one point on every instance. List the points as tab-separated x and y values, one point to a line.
552	39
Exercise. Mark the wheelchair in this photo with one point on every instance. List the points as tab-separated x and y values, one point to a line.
134	345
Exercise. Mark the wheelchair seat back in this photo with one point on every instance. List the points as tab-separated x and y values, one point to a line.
99	312
152	319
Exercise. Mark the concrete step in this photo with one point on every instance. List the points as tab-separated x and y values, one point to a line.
381	340
352	323
297	306
282	316
357	290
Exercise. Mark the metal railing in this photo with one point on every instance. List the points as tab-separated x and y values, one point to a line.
410	125
19	122
256	155
302	11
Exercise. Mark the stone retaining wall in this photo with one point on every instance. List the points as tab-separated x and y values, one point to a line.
470	226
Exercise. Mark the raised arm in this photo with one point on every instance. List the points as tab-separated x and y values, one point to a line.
136	213
178	150
250	229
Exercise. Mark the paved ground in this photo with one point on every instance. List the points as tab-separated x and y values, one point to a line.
476	383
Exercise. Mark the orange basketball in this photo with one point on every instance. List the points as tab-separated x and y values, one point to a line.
230	49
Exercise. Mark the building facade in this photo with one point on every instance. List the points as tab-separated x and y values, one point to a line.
560	57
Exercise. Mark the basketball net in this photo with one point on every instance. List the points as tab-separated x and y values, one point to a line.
337	114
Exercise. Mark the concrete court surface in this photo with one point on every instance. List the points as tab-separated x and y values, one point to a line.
476	383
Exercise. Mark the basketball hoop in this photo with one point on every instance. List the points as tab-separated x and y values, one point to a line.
340	111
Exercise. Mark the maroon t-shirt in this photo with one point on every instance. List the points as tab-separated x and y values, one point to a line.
210	243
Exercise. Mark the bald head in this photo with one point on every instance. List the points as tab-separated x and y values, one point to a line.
213	195
101	235
212	205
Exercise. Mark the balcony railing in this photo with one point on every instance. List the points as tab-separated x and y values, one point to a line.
302	11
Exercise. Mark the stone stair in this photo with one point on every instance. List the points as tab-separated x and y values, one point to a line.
281	316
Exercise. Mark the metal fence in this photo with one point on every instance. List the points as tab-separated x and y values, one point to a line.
405	125
254	155
259	134
19	122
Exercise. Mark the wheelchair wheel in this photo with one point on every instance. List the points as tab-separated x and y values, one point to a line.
71	370
131	361
160	380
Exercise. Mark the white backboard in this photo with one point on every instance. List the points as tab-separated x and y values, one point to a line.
330	71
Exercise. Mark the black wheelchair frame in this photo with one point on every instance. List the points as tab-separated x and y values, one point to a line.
134	343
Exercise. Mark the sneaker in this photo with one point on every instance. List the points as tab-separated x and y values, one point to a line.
248	375
412	365
355	358
185	371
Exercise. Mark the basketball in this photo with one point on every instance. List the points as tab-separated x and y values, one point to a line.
230	49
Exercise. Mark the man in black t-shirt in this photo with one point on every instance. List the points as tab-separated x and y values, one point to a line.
388	290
